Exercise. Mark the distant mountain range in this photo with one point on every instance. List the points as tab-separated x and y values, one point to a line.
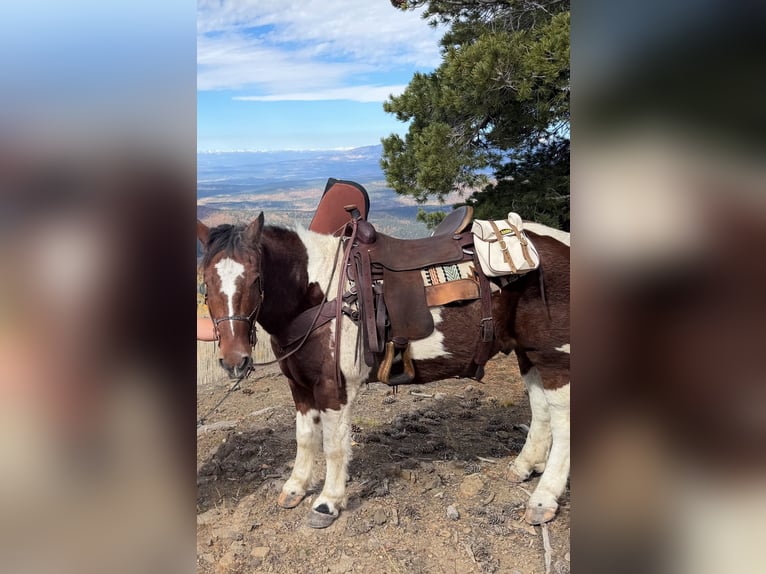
287	185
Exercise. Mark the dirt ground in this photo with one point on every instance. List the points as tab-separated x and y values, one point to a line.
416	454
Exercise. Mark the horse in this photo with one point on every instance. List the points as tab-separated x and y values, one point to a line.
268	276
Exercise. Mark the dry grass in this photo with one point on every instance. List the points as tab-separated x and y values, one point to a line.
208	369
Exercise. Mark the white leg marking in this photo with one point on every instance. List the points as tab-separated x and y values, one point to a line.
554	479
432	347
535	452
563	348
337	449
229	271
308	435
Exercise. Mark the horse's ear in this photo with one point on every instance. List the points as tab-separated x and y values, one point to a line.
203	232
254	230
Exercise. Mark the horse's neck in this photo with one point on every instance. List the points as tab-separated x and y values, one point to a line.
285	273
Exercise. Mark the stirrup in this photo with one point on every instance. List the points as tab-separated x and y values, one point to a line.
408	369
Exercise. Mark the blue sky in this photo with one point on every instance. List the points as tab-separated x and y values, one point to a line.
304	74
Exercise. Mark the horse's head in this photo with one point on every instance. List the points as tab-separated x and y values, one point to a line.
234	289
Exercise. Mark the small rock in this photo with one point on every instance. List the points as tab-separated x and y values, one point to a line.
344	564
471	485
468	388
208	557
207	517
440	396
392	470
452	512
408	474
380	517
228	561
566	556
260	551
220	425
524	527
432	482
225	533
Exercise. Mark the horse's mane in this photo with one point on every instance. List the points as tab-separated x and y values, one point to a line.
225	238
230	239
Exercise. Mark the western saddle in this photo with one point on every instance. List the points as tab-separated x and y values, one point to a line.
388	298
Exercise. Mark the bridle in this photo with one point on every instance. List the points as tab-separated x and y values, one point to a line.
250	319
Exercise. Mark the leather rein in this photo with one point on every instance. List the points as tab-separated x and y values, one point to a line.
322	309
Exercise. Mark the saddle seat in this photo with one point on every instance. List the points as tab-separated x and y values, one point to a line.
330	217
393	302
456	222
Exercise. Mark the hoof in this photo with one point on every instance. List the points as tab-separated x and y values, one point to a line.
287	500
318	519
512	476
540	514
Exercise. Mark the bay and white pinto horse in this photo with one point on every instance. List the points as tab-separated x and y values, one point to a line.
271	275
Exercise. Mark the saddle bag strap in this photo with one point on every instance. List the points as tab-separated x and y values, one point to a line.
524	244
487	327
503	246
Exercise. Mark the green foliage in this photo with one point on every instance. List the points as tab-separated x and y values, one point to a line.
535	185
430	218
503	86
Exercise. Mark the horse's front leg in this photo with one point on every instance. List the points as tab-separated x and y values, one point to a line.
337	449
308	436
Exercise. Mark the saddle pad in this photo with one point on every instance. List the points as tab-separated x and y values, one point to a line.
330	216
450	283
451	272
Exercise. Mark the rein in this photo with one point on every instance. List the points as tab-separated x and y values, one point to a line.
319	310
252	319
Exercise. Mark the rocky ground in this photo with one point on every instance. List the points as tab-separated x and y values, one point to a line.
427	492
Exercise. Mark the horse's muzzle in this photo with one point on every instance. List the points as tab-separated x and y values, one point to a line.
239	370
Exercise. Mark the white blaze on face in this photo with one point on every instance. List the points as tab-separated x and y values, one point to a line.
228	272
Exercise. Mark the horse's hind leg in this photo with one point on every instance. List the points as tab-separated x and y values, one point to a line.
534	455
308	435
543	503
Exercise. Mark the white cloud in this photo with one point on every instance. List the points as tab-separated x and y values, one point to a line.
308	46
366	93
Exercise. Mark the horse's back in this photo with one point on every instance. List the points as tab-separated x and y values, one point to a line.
546	231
